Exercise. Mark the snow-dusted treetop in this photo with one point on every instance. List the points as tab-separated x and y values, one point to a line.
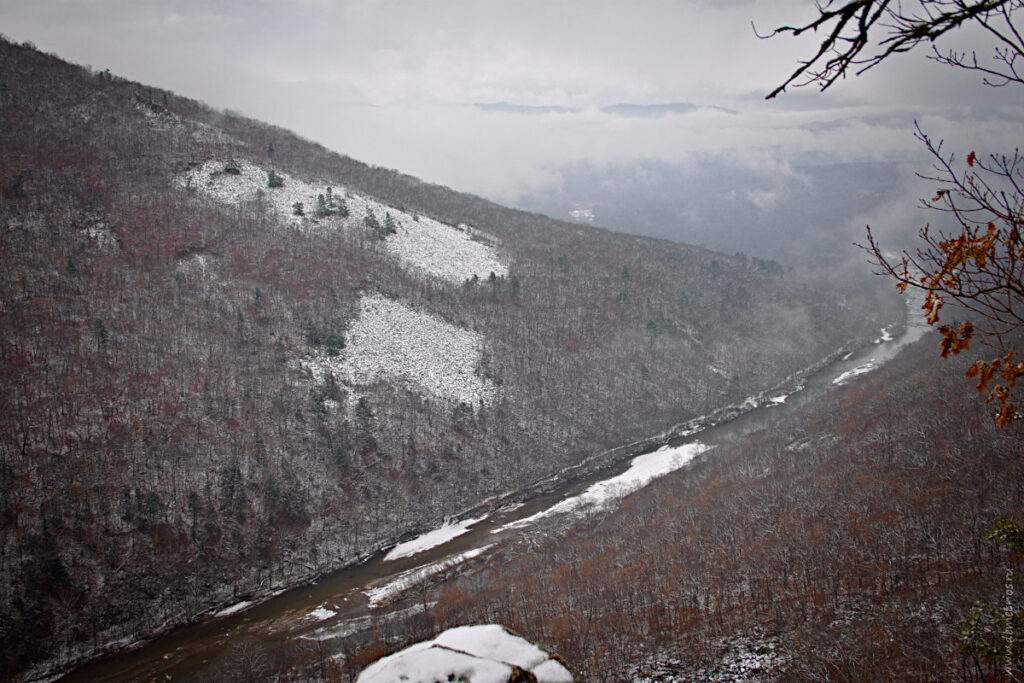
476	654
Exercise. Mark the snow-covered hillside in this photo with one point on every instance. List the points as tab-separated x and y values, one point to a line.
388	340
474	654
250	183
391	341
450	253
441	250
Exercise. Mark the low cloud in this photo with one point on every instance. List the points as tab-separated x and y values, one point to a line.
395	82
503	155
763	199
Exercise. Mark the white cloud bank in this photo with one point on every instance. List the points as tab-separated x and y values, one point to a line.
393	82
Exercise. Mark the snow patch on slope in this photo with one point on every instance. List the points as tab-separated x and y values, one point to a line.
438	249
391	341
453	254
250	184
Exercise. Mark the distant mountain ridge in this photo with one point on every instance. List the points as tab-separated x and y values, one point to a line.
625	110
798	215
510	108
660	110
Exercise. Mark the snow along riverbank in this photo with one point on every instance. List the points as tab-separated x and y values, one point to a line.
642	470
431	539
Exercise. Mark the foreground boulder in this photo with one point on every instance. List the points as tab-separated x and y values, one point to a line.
469	654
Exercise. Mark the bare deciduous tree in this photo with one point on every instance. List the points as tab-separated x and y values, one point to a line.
982	266
860	34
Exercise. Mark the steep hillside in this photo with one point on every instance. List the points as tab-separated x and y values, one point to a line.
845	542
233	360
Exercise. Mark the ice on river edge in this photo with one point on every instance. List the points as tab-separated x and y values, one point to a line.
348	627
431	539
384	593
233	609
642	470
850	374
887	345
321	613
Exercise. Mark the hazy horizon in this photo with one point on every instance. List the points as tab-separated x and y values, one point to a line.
396	84
511	101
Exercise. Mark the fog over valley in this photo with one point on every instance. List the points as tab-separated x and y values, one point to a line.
560	106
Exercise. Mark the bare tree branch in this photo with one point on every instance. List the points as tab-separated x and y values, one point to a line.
853	41
981	269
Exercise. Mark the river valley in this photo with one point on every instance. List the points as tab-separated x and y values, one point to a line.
389	583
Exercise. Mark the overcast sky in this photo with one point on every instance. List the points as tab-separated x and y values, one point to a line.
394	82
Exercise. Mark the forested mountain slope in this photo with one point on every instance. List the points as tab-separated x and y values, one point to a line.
846	541
233	360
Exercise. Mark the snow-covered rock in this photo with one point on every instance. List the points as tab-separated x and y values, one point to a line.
391	341
472	654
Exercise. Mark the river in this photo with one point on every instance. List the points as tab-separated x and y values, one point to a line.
349	599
